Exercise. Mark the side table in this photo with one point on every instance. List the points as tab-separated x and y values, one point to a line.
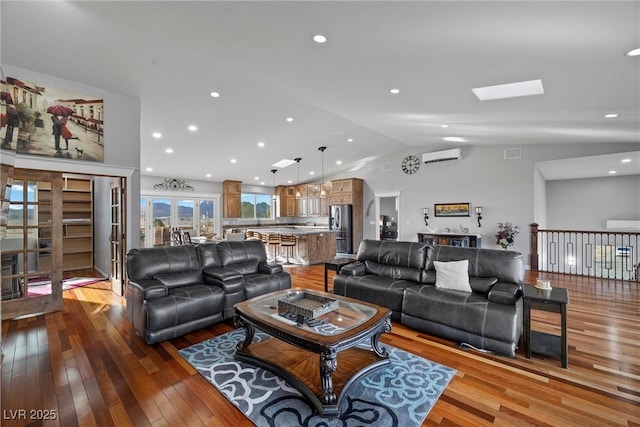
335	264
553	300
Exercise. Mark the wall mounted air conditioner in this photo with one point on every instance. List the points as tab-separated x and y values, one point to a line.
442	156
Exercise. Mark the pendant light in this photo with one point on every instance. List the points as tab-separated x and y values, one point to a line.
322	193
273	171
297	159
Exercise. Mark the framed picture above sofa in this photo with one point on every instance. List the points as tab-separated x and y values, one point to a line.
452	209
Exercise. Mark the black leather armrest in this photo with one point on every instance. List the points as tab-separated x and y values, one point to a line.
148	289
267	268
221	274
354	269
505	293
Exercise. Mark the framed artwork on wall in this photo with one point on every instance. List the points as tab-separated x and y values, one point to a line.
452	209
47	121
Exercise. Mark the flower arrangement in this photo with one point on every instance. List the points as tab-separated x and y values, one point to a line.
506	234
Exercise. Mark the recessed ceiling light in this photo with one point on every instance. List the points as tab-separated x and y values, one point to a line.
350	140
261	182
260	144
289	181
214	94
289	119
156	135
234	161
256	178
613	172
319	38
312	173
610	116
394	91
625	161
634	52
444	126
169	150
193	128
338	162
149	169
454	139
208	175
509	90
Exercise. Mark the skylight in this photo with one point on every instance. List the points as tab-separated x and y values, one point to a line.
283	163
509	90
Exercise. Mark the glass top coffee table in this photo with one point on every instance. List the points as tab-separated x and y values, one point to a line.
334	336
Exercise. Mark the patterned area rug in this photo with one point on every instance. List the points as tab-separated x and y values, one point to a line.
398	394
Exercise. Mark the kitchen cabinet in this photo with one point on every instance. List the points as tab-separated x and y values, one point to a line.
231	198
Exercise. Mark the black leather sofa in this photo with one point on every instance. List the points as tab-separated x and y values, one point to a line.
178	289
402	277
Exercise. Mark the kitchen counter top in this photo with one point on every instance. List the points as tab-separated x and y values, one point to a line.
297	230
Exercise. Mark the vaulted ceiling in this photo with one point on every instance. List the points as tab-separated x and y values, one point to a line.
262	60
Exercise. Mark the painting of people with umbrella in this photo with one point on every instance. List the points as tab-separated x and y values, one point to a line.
59	117
45	117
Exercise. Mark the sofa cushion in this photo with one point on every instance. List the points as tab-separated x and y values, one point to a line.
241	252
375	289
250	267
470	312
147	263
393	253
392	271
208	254
453	275
183	278
506	266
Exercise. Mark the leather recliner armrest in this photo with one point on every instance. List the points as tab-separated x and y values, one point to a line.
148	288
355	269
221	274
266	268
505	293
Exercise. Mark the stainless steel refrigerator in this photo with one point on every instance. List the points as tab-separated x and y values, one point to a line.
340	220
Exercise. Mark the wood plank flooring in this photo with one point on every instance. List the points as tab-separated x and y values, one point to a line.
84	366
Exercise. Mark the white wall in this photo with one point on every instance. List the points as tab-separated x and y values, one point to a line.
587	204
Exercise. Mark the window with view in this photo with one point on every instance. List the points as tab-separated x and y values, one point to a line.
257	206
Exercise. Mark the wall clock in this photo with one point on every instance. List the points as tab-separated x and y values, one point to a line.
410	164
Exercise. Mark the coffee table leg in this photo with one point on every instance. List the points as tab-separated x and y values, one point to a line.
328	365
249	331
375	340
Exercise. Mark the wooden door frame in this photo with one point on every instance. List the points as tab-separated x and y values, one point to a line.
28	306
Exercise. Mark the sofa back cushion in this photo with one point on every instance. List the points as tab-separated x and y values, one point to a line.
491	264
208	254
146	263
397	260
243	256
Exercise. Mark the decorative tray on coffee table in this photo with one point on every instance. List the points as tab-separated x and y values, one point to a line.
307	304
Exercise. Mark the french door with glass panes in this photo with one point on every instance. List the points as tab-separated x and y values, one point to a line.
32	248
159	215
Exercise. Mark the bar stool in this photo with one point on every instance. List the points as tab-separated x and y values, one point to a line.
274	241
288	241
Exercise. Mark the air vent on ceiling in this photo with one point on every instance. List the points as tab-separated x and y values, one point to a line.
512	153
386	167
442	156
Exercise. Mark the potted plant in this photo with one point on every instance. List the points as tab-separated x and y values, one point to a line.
506	234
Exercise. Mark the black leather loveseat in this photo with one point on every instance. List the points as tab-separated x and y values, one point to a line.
402	276
178	289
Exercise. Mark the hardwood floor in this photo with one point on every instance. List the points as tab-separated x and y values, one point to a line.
84	366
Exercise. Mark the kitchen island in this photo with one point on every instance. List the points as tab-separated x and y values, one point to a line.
314	245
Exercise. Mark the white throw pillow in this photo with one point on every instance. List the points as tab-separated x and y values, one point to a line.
453	275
